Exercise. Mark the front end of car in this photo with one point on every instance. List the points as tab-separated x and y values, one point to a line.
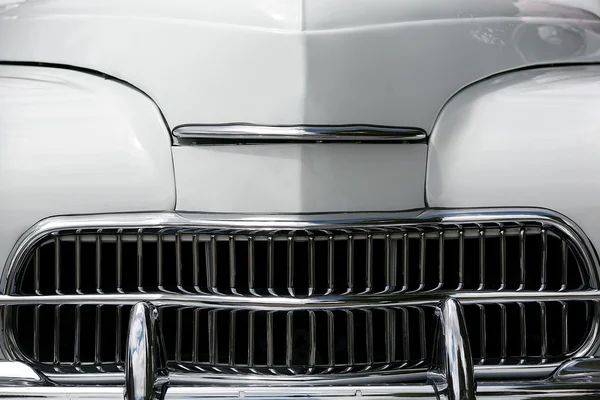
303	199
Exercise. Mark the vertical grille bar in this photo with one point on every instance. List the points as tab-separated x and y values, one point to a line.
232	270
270	339
330	264
369	336
78	263
350	337
289	338
544	273
36	333
523	331
422	334
565	324
481	259
390	335
350	265
565	261
290	266
405	335
57	264
36	273
195	264
422	260
98	336
56	335
331	338
461	259
390	270
118	334
522	259
211	269
543	331
232	319
482	333
502	258
251	339
195	342
99	262
212	337
405	261
503	332
270	266
140	262
312	329
369	264
119	261
179	333
311	266
251	271
77	339
441	243
179	262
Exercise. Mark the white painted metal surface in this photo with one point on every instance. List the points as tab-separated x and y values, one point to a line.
299	178
528	138
72	143
300	62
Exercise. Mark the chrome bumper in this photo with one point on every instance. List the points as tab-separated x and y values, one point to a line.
451	375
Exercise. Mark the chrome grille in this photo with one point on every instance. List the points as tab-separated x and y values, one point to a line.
496	256
306	298
301	342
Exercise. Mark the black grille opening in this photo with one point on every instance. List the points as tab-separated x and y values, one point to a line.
386	261
524	257
362	339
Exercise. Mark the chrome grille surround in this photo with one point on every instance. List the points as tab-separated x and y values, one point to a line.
419	298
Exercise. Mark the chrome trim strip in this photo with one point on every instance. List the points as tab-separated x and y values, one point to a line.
345	302
451	371
501	390
239	133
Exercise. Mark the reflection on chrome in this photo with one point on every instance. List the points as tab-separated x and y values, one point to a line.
451	370
145	370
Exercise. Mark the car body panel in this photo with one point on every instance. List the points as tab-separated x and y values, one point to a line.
301	61
299	178
529	137
72	143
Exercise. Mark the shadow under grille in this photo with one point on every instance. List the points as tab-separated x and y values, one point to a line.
304	263
301	342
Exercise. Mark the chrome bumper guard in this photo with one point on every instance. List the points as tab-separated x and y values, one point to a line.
450	376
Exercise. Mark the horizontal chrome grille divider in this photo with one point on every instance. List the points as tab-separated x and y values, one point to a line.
297	303
334	287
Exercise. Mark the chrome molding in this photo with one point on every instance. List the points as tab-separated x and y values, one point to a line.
210	134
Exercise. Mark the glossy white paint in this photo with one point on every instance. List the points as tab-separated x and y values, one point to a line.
298	62
298	178
72	143
528	138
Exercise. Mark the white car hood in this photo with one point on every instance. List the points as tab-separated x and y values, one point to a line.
297	62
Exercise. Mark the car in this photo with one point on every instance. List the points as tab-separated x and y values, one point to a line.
299	199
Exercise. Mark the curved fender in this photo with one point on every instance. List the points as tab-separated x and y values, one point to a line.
74	143
529	138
